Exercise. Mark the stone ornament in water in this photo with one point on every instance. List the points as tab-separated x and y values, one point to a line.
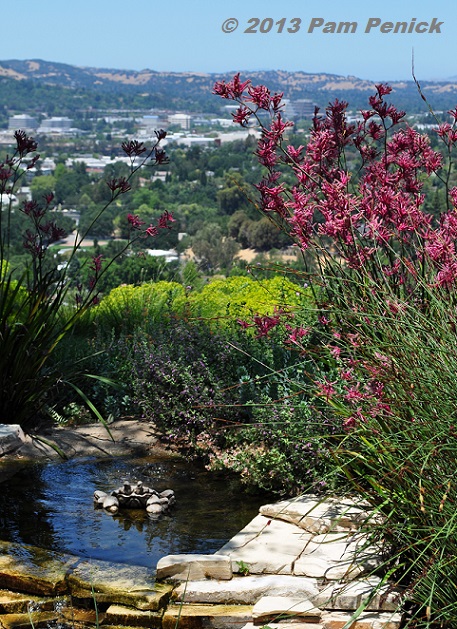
136	497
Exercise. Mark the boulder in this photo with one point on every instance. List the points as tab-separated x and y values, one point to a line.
11	438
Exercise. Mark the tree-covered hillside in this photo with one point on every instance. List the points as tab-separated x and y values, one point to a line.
60	89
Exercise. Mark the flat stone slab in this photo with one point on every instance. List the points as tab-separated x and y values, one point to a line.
266	546
125	437
349	596
285	624
283	607
250	532
246	590
318	515
118	583
206	616
34	570
39	620
39	572
366	620
126	616
80	617
336	556
194	567
18	603
11	438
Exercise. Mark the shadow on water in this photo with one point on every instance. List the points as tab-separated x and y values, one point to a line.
51	506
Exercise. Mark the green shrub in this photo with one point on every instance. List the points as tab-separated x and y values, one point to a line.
144	306
226	300
283	449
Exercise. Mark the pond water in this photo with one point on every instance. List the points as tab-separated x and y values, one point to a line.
51	506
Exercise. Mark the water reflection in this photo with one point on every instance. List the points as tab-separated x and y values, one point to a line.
51	506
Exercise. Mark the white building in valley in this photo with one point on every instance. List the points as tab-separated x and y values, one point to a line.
24	122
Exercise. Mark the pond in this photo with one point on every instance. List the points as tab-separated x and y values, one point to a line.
51	506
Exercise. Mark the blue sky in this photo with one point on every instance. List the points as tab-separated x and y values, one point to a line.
181	35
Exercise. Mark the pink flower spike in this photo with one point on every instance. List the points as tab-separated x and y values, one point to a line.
383	89
152	231
238	87
326	389
241	116
165	219
96	265
296	334
260	96
134	221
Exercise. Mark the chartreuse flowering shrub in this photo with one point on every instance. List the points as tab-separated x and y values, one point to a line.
38	309
220	303
387	273
148	304
236	298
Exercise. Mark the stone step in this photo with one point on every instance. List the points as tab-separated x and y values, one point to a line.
333	596
206	616
41	572
349	596
318	515
80	617
18	603
118	583
245	590
337	620
194	567
39	620
337	556
277	608
34	570
366	620
287	624
119	615
266	546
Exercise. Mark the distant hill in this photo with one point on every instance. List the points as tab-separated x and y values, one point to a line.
37	85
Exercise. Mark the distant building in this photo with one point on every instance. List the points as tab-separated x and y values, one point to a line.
222	122
7	199
25	193
23	122
47	166
57	124
159	175
234	136
181	120
299	109
170	255
305	108
150	122
230	109
191	140
95	164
